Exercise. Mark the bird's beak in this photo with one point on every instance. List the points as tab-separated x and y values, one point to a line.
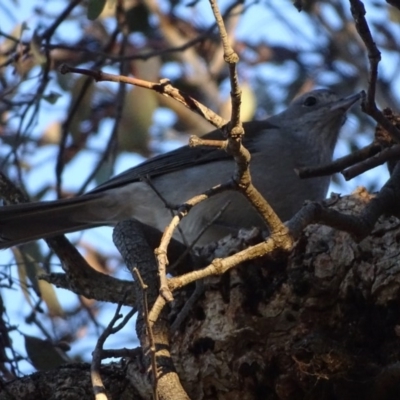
347	102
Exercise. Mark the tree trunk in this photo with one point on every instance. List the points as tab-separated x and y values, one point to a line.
323	323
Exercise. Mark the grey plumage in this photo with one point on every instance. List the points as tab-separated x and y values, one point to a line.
304	134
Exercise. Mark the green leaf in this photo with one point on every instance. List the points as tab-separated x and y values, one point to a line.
43	354
137	18
95	8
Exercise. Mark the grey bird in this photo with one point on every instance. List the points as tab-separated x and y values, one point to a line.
304	134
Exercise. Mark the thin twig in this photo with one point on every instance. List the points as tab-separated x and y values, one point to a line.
388	154
161	251
194	297
374	56
201	233
231	58
150	334
341	163
99	354
66	125
97	383
163	87
170	207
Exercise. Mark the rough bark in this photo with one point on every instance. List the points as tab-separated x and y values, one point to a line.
69	382
322	324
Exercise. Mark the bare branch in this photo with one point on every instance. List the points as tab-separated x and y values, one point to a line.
163	87
374	56
150	334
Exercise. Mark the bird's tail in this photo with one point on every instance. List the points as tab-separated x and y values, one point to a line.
22	223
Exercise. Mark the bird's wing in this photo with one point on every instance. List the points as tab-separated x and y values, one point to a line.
184	157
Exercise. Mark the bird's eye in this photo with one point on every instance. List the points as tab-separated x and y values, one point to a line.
310	101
